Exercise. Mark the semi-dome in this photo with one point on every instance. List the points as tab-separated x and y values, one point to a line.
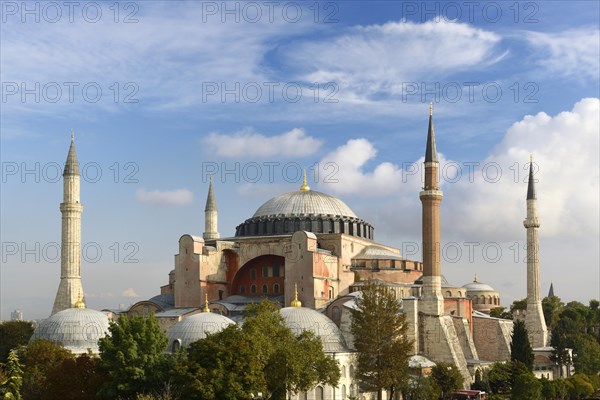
377	253
304	210
299	319
196	327
77	329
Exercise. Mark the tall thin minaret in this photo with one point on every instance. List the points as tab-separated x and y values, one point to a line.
432	301
69	288
211	231
534	317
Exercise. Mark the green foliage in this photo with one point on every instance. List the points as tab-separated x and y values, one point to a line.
587	351
446	378
526	386
518	305
10	386
520	348
552	307
39	358
261	356
133	356
74	379
500	312
499	378
380	339
578	387
12	335
422	388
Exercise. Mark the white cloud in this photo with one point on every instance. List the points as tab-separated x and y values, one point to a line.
248	143
573	53
129	292
173	197
379	58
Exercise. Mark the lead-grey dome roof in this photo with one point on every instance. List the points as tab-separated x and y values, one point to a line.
304	202
299	319
478	287
77	329
196	327
377	253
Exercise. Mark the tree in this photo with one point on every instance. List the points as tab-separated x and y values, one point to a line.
261	356
12	335
133	356
75	378
526	387
380	340
578	387
552	307
39	358
446	378
587	350
11	387
520	348
500	312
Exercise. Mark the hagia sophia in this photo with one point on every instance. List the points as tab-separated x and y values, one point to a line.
311	253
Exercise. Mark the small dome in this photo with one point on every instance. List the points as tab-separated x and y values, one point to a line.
477	286
299	319
195	327
304	202
77	329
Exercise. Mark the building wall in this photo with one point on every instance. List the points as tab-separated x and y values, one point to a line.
492	338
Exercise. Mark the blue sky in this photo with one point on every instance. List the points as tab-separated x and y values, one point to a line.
161	93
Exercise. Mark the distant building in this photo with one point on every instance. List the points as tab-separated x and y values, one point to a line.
16	315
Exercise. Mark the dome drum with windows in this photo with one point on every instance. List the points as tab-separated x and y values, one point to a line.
304	210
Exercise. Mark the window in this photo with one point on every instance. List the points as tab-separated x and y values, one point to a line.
242	289
276	288
448	293
253	289
319	393
352	371
343	371
276	270
335	316
265	289
265	271
343	391
175	346
331	293
253	273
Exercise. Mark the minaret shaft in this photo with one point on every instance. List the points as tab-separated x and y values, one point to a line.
431	199
70	288
534	317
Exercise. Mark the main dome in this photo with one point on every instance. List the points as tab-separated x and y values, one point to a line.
304	202
304	210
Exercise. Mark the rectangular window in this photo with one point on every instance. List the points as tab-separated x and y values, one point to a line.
276	270
265	271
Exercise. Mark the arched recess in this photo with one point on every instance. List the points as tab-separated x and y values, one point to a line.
263	271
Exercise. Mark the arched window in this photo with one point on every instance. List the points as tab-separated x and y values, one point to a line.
343	391
343	371
335	315
265	289
489	299
448	293
175	346
475	300
276	288
459	293
319	393
253	289
351	371
330	292
242	289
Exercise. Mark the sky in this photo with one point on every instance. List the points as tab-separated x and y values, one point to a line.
162	95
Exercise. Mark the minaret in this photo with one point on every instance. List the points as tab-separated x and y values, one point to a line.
534	317
69	288
210	215
432	301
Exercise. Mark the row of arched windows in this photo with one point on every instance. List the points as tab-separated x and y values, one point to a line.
264	289
493	300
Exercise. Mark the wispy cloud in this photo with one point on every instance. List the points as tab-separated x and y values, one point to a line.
129	292
165	197
248	143
574	53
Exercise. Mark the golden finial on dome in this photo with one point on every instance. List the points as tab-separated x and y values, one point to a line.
430	109
296	302
206	309
79	303
475	279
304	185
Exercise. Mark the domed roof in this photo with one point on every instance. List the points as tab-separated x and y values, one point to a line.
77	329
196	327
477	286
377	253
304	202
299	319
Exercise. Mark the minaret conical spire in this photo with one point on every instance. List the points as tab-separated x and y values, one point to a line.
72	165
211	231
531	183
430	150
